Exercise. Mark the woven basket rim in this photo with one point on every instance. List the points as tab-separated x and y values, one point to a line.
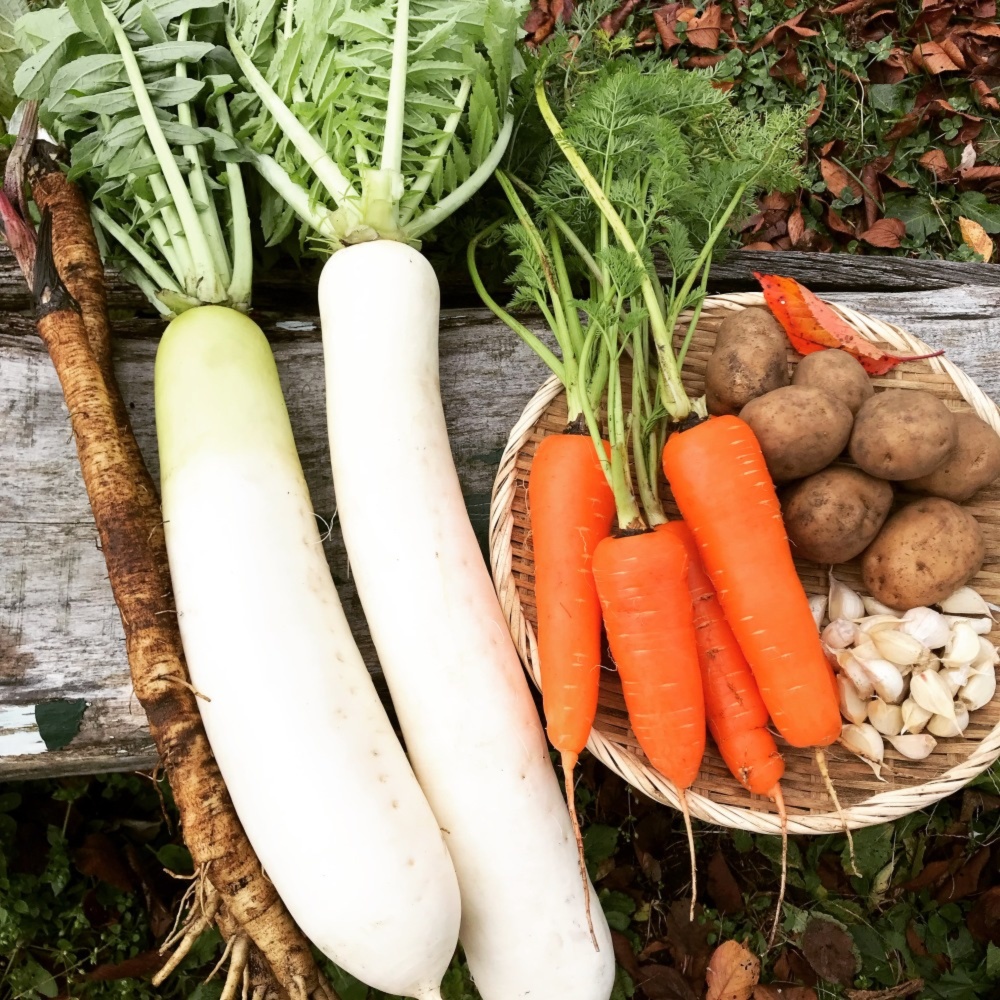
878	808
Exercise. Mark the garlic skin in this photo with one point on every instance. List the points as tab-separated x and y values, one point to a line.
874	607
843	602
852	705
989	655
953	725
855	673
965	601
898	647
962	648
865	741
914	717
956	677
817	605
840	633
879	623
930	692
913	746
978	690
886	718
981	626
927	626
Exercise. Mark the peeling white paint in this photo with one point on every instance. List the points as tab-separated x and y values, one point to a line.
19	731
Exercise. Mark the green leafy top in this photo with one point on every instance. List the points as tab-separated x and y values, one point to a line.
137	90
10	53
373	118
649	159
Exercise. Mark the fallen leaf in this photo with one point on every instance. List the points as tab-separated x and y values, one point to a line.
723	887
624	955
842	10
796	226
661	982
811	325
887	233
704	61
98	857
837	180
973	801
783	992
835	222
758	246
894	68
936	162
907	989
984	96
974	236
732	972
615	21
872	193
665	18
930	56
138	967
790	29
703	31
986	173
818	110
687	940
965	881
931	874
787	68
541	20
984	917
829	949
791	967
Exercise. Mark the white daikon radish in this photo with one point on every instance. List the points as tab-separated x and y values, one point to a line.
467	715
317	776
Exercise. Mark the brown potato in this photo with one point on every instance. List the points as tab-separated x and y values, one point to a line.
750	358
838	373
801	429
902	434
925	552
833	515
973	463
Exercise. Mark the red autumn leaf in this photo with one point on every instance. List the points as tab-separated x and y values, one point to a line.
936	162
887	233
818	110
837	179
703	31
931	57
811	325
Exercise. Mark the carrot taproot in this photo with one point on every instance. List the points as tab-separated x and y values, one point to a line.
736	715
717	474
571	509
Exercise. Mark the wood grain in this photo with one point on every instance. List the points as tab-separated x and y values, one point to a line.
60	635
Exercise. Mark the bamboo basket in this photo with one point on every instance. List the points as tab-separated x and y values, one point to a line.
716	796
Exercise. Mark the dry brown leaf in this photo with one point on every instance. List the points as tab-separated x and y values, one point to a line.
835	222
723	888
887	233
615	21
759	246
986	173
936	162
818	110
974	236
872	193
732	973
788	31
829	949
763	992
837	179
665	18
930	56
984	917
661	982
703	32
984	96
907	989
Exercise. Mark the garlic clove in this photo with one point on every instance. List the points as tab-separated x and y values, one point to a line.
840	633
866	650
843	602
962	648
817	605
898	647
852	705
965	601
855	673
914	717
886	679
886	718
978	690
981	626
874	607
878	623
865	741
928	661
955	677
989	655
927	626
913	746
953	725
930	692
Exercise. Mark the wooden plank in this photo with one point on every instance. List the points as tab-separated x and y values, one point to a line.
60	636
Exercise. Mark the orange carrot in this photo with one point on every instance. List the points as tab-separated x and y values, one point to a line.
718	477
571	508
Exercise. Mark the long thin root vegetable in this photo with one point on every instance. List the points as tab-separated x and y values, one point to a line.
717	474
572	508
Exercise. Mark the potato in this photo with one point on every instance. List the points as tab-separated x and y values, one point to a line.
902	434
801	429
833	515
838	373
925	552
973	463
749	359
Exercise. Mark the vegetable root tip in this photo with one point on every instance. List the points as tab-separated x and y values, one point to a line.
832	792
569	759
779	801
686	813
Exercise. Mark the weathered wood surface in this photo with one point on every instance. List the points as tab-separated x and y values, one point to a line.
60	635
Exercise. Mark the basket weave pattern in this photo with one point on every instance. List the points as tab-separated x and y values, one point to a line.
716	796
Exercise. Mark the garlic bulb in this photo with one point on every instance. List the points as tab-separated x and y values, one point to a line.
962	648
898	647
965	601
855	673
914	717
852	705
978	690
930	692
927	626
817	605
866	742
843	602
953	725
840	633
914	746
887	719
874	607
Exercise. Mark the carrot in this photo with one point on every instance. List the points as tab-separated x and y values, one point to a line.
718	477
571	507
736	714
